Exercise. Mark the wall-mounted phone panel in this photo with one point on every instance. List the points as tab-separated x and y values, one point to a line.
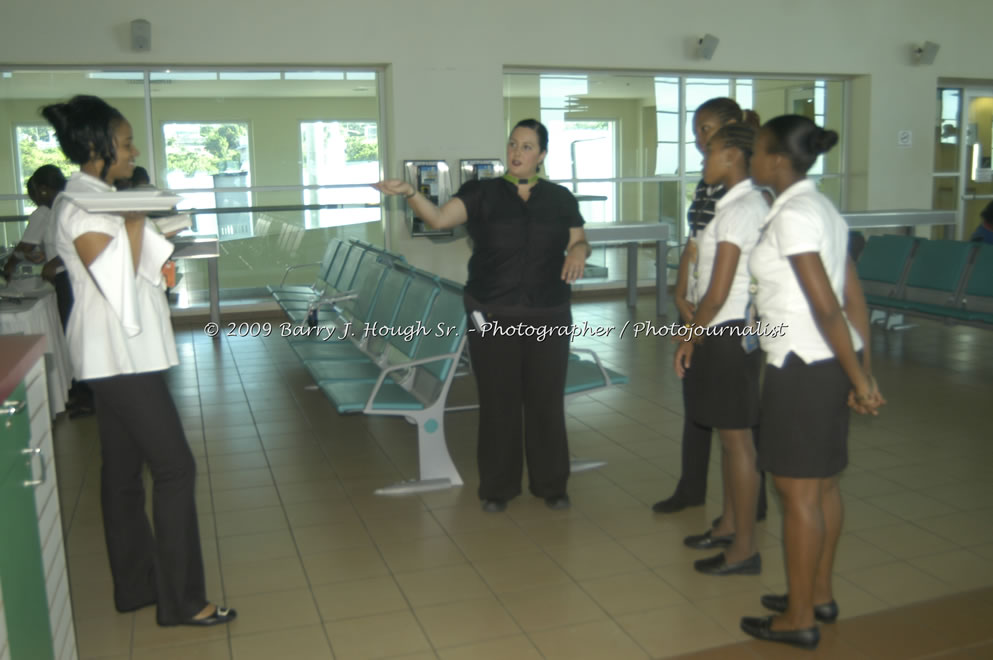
430	178
473	169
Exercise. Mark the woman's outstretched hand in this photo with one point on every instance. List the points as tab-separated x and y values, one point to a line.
394	187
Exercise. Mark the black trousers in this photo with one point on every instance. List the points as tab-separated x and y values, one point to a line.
521	383
692	487
139	425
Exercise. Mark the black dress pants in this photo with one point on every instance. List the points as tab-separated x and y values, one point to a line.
521	384
139	425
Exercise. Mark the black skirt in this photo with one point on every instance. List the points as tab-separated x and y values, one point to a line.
722	384
804	419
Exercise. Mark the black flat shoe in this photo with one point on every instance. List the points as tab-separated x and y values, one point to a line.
674	504
559	503
220	615
761	628
707	541
825	613
494	506
718	565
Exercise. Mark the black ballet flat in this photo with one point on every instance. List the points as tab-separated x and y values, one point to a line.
707	541
220	615
674	504
825	612
559	503
761	628
494	506
718	565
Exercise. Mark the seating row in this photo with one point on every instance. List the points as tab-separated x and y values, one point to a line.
381	337
940	279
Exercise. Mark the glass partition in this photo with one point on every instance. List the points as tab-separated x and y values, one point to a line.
623	142
252	152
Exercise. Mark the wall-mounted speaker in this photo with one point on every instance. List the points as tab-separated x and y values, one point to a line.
926	53
707	46
141	35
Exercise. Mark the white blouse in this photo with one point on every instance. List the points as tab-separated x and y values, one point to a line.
120	318
801	220
738	216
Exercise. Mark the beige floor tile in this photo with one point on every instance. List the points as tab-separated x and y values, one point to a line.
493	544
257	547
521	572
517	647
304	643
343	564
276	610
421	554
254	460
245	498
259	577
960	569
854	552
250	521
442	585
358	598
592	640
239	479
570	531
466	622
387	531
464	519
906	540
551	606
960	528
910	506
898	583
311	491
674	630
210	650
322	538
320	512
105	635
377	636
628	593
596	560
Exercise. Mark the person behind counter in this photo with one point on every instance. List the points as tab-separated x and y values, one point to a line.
121	341
528	246
44	184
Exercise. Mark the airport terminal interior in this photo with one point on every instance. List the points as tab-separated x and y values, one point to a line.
271	144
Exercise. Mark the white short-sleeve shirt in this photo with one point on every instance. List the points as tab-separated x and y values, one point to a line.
34	233
119	322
738	217
801	220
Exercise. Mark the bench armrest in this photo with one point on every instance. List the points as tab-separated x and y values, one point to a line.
596	361
286	273
385	371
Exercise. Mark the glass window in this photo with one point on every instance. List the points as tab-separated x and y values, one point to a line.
36	146
334	154
646	119
946	148
227	140
211	156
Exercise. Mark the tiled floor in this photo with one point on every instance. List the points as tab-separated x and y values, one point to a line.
319	567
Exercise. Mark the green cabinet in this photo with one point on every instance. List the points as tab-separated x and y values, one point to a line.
22	576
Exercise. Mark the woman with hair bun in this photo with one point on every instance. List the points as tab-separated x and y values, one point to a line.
121	342
721	384
803	279
691	490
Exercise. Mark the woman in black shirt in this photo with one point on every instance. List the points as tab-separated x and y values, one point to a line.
528	246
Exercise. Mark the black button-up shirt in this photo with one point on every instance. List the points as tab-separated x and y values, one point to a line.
518	247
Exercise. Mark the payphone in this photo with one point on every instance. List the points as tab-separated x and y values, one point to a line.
477	169
431	179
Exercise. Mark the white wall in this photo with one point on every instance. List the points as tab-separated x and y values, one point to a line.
447	56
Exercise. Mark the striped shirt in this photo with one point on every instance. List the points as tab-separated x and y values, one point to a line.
702	209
